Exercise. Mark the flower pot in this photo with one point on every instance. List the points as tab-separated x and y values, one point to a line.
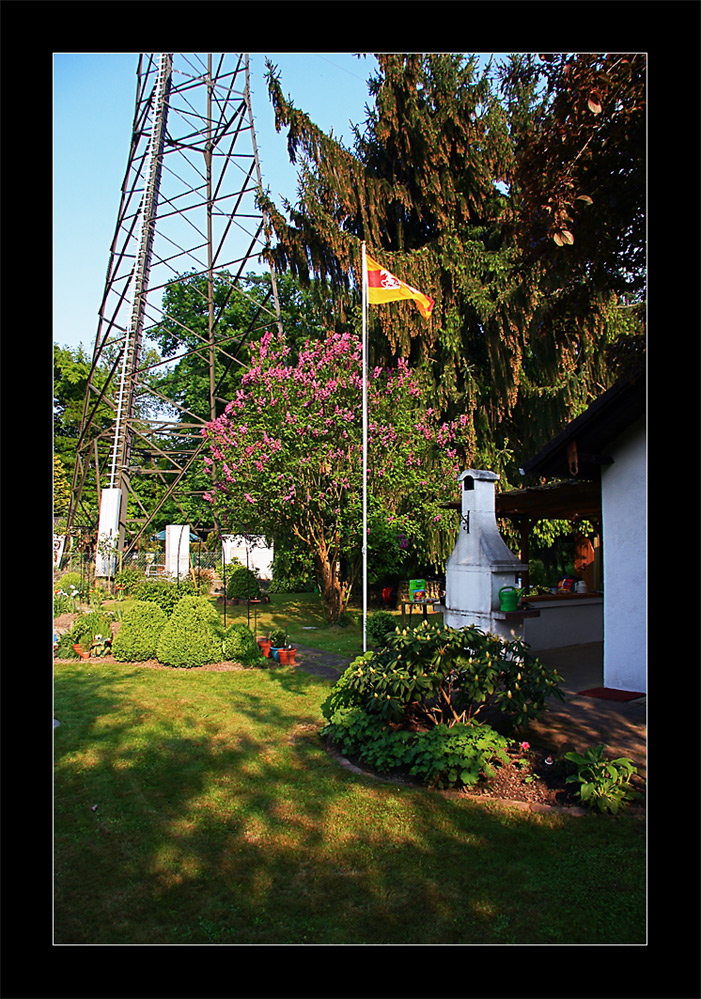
286	656
264	646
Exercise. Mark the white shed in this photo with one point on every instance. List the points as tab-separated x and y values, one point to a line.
607	444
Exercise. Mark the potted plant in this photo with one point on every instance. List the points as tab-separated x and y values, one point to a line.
277	642
280	647
264	645
286	656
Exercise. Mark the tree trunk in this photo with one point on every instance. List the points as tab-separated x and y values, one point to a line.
330	588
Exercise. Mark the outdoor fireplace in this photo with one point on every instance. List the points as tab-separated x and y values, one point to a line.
481	564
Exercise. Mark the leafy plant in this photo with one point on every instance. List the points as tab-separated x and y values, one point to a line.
278	638
84	632
239	644
603	784
241	583
441	757
139	632
448	676
128	579
460	754
191	636
379	626
164	592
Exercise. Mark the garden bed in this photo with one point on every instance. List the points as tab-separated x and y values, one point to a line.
535	784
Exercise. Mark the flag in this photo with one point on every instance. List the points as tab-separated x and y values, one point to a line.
385	287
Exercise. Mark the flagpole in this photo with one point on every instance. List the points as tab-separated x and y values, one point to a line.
365	447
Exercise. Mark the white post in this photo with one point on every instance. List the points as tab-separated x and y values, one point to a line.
178	550
108	531
365	450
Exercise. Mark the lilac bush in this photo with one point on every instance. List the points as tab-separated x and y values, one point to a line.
285	457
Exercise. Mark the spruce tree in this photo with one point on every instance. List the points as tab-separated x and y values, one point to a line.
434	186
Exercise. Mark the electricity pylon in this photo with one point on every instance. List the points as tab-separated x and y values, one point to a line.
188	209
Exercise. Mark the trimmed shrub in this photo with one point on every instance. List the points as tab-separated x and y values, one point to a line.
164	592
380	625
140	630
191	636
240	644
241	583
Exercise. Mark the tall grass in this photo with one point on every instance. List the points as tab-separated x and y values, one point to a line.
201	807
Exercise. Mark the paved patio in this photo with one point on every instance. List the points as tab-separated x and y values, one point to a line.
621	726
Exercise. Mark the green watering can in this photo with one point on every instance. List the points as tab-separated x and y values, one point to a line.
509	597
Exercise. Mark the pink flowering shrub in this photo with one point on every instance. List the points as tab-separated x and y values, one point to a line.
285	457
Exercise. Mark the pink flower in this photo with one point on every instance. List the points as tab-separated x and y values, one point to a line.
525	746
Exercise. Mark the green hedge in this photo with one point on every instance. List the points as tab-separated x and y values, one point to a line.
140	630
191	636
240	645
241	583
164	592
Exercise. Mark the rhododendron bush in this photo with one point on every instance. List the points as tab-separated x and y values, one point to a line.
285	459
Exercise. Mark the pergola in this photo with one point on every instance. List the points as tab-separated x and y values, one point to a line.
556	501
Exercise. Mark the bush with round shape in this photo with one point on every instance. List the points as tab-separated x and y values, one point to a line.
138	635
164	592
241	583
380	625
191	636
240	645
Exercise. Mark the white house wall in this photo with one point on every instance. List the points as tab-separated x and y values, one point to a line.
624	517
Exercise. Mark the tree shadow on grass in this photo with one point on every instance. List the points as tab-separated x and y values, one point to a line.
221	819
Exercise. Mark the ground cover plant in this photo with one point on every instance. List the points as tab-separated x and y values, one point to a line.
196	806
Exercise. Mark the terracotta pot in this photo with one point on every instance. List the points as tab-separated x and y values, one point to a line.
287	656
264	646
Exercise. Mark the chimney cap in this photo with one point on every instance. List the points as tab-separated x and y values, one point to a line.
480	474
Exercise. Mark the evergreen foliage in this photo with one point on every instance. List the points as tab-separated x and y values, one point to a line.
138	634
241	583
191	636
444	185
164	592
240	645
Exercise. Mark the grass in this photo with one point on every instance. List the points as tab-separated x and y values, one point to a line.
201	807
302	615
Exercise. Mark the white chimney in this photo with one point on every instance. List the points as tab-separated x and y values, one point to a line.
481	563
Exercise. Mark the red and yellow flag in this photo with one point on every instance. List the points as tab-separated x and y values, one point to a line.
385	287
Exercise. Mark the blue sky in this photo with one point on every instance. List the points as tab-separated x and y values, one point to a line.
94	98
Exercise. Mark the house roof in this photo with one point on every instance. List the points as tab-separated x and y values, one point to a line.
581	449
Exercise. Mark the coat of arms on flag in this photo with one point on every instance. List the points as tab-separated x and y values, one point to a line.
383	287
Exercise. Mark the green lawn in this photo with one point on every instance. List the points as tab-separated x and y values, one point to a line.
201	807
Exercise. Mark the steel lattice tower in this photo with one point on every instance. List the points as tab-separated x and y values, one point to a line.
188	207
